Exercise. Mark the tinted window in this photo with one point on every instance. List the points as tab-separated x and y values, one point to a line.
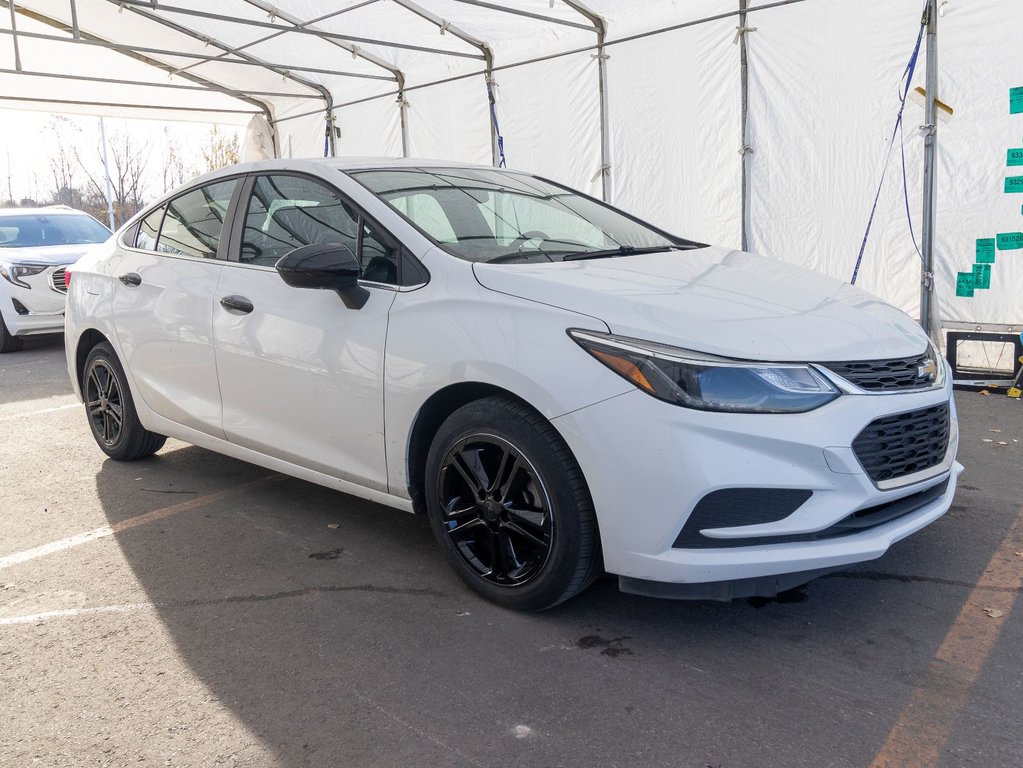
195	220
286	212
38	230
149	229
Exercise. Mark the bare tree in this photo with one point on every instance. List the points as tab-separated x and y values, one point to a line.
64	163
221	151
128	162
174	170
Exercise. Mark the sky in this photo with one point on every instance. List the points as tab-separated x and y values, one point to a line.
28	141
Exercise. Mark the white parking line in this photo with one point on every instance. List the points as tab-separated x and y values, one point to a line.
149	517
35	618
41	411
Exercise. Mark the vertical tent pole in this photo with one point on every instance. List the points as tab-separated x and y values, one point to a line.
745	151
605	118
14	38
106	173
75	32
600	27
403	113
930	149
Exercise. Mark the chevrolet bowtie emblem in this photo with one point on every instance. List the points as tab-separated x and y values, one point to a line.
928	371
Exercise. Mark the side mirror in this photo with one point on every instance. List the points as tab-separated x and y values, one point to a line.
328	266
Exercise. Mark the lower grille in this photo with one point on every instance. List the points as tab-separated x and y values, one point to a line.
858	522
896	446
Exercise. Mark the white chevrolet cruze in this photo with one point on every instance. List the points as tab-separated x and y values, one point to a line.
36	244
560	387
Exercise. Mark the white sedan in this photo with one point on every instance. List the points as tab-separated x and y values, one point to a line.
36	244
562	388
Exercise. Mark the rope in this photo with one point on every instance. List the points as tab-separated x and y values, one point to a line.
907	79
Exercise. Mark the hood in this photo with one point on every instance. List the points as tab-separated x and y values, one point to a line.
719	301
54	255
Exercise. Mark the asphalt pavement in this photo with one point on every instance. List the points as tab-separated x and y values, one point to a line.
193	610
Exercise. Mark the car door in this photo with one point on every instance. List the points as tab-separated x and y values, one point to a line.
301	375
162	305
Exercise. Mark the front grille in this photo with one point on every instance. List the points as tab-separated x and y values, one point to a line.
58	280
896	446
899	375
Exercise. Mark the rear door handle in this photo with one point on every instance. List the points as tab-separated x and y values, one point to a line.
131	279
236	304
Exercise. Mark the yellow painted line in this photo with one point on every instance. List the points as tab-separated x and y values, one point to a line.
131	522
925	724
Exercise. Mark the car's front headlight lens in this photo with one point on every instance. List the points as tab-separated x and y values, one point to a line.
12	273
706	382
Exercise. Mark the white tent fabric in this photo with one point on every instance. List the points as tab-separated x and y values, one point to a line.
411	77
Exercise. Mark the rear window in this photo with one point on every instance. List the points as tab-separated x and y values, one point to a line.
38	230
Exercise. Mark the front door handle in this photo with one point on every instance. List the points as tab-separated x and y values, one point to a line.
131	279
236	304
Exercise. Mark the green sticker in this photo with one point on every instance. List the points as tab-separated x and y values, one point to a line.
964	284
986	250
1009	241
981	275
1013	185
1015	100
1015	156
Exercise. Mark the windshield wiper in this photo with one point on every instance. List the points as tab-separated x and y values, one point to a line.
622	250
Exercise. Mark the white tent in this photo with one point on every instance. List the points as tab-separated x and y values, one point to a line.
729	121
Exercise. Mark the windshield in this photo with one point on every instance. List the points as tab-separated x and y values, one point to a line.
38	230
481	214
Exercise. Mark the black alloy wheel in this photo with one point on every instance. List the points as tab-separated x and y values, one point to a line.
103	402
111	411
509	506
496	509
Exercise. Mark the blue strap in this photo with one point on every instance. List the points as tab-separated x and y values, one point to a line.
497	128
907	79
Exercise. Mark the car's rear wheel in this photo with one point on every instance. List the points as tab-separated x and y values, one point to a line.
8	342
112	417
509	506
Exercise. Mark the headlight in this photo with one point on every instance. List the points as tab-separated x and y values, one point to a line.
706	382
12	272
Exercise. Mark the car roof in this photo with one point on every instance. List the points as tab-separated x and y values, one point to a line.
49	210
342	164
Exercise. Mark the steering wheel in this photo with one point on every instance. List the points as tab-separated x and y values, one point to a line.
533	234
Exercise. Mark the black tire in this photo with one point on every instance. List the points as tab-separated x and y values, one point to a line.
509	506
111	411
8	342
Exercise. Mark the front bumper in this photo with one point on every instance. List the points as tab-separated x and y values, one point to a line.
649	463
39	309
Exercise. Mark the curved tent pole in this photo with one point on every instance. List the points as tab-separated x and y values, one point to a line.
88	39
605	128
357	52
496	143
324	92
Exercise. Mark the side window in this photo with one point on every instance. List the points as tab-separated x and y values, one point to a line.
194	221
149	229
286	212
378	257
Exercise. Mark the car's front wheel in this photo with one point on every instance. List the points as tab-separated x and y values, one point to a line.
509	506
112	417
8	341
